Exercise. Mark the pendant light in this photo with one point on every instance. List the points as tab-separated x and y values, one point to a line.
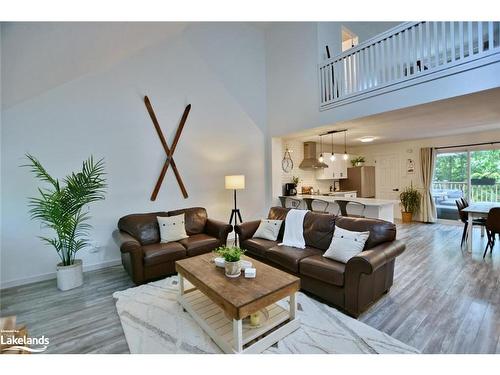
320	159
332	157
345	146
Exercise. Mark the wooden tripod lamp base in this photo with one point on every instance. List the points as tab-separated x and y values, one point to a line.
235	182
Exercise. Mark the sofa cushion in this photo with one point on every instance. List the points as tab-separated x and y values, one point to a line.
258	246
380	231
200	244
195	219
323	269
143	227
289	257
318	229
268	229
171	228
278	213
346	244
163	252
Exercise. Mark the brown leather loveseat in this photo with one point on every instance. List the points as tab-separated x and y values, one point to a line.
353	286
146	258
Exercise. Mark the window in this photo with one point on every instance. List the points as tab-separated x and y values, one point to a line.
470	174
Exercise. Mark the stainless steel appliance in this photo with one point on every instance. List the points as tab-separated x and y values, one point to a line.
290	190
311	158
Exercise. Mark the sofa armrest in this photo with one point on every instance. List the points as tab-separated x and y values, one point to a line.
370	260
132	255
246	230
366	278
218	229
127	243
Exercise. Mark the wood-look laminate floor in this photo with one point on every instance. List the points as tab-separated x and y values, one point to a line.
444	300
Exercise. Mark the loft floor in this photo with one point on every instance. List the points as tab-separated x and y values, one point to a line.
443	300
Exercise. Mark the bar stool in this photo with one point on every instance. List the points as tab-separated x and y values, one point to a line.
289	202
343	207
323	205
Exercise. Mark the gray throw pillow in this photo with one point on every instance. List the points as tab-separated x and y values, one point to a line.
268	229
346	244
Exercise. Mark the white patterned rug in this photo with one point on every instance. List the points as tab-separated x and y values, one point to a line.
154	322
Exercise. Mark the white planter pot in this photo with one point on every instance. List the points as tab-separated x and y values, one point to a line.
69	277
233	269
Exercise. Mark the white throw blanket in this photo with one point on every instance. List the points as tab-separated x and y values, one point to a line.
294	229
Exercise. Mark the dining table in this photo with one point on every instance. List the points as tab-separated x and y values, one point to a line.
476	211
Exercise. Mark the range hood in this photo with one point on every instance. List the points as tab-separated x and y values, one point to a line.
310	159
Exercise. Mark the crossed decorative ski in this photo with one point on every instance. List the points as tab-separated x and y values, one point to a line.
169	151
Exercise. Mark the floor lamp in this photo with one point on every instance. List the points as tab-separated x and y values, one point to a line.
235	182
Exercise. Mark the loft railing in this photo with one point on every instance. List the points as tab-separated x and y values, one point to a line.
402	54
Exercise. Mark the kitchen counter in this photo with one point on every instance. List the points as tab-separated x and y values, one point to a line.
375	208
365	201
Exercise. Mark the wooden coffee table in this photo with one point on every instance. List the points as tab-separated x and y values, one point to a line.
220	304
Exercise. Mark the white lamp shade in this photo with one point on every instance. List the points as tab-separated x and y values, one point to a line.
235	182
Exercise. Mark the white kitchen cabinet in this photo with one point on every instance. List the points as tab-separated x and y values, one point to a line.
336	170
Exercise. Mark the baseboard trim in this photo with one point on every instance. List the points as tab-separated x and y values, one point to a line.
52	275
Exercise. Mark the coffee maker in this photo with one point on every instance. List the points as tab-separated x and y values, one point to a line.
290	190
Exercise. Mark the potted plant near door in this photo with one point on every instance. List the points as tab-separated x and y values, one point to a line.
232	256
410	203
62	207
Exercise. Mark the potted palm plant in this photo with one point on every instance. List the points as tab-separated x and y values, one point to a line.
232	256
410	203
62	207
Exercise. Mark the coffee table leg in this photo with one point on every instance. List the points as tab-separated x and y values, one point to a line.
293	305
238	335
181	285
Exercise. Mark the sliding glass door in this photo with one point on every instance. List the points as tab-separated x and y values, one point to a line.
485	175
470	174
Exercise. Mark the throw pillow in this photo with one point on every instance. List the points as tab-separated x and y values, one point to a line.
268	229
172	228
346	244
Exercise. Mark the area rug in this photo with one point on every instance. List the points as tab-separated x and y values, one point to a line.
154	322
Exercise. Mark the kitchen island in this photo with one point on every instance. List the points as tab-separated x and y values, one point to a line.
373	208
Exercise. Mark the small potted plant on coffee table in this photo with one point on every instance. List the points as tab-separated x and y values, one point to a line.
232	256
410	203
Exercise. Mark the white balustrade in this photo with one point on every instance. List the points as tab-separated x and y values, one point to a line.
401	54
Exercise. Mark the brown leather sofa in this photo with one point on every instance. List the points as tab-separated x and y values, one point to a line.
145	258
353	286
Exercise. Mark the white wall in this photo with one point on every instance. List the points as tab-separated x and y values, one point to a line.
411	149
218	68
291	63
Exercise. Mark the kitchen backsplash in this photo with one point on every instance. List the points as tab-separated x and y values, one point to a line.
307	177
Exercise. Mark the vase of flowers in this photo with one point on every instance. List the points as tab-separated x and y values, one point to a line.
232	256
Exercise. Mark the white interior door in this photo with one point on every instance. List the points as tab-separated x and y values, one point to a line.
387	172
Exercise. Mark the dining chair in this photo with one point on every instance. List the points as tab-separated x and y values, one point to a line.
343	207
492	228
464	218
